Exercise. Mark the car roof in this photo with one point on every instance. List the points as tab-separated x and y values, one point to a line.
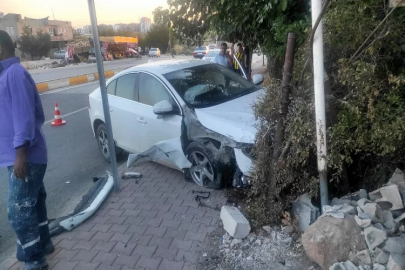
167	66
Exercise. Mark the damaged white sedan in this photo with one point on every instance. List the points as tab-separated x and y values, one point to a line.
194	116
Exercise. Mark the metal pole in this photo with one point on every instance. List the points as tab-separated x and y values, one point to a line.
104	97
320	102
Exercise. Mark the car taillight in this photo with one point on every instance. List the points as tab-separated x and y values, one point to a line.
193	53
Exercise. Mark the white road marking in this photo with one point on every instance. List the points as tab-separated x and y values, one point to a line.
65	115
66	88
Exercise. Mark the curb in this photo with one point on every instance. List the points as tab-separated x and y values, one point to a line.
55	84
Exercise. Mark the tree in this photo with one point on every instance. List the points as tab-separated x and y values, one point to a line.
36	46
158	36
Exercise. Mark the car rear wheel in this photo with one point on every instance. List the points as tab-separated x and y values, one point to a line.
102	141
203	171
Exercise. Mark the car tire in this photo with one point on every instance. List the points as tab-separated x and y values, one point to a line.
102	142
207	175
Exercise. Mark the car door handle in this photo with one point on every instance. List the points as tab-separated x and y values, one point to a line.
140	120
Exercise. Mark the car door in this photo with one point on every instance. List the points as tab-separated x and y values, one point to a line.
123	109
152	90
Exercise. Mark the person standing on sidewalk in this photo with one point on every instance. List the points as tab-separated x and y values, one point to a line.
23	151
246	60
223	58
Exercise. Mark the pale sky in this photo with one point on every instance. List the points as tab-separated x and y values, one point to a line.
77	11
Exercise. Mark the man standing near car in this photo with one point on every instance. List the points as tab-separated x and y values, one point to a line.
23	151
223	58
246	60
239	55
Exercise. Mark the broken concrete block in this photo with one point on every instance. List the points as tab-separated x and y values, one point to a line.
391	194
396	262
362	202
379	226
395	245
375	195
235	222
374	237
342	237
380	256
361	214
400	218
397	177
288	229
377	266
388	220
236	242
303	210
343	266
384	204
364	256
373	211
364	223
361	194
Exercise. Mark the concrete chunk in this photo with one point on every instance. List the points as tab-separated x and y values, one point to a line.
373	211
378	266
343	266
364	256
396	262
391	194
397	177
304	211
374	237
395	245
380	256
235	222
364	223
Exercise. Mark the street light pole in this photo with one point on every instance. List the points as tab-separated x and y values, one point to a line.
104	97
320	102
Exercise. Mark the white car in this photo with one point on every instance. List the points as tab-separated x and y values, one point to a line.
194	116
210	56
154	52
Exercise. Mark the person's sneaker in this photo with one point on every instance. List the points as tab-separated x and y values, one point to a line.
37	265
49	248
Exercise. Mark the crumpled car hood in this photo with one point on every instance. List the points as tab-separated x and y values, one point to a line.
234	119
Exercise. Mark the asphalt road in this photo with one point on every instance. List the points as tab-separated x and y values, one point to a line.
73	158
41	75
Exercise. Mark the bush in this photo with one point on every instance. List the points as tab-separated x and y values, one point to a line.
365	136
36	46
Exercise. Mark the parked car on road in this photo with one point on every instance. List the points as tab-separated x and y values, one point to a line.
212	46
200	52
154	52
210	56
194	116
59	54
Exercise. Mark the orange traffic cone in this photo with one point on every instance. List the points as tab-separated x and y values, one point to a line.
58	120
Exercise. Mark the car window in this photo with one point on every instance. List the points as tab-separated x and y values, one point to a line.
111	87
126	87
212	53
209	85
201	48
152	91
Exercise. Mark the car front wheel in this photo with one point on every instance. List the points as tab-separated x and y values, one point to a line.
203	171
102	141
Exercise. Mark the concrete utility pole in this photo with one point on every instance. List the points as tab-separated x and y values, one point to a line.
104	97
320	102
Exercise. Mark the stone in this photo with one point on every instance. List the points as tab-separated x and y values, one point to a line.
249	258
400	218
379	226
258	242
374	237
267	228
343	266
391	194
397	177
288	229
234	222
361	194
251	237
373	211
395	245
396	262
287	241
236	242
311	268
274	235
377	266
364	223
380	256
304	211
360	203
388	220
364	256
331	240
361	214
384	204
266	241
375	195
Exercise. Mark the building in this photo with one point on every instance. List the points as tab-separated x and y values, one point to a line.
145	24
14	24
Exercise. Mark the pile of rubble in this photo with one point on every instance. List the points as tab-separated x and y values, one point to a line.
361	231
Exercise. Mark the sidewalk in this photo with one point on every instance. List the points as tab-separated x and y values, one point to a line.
155	224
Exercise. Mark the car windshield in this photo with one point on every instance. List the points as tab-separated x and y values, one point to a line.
212	53
209	85
202	48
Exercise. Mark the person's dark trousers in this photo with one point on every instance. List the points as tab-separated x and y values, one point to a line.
27	212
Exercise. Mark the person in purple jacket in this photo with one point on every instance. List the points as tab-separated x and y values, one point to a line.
23	151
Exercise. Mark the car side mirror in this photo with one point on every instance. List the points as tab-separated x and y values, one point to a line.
163	107
258	79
